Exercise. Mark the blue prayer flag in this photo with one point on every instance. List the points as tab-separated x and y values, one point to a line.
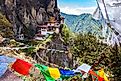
3	68
5	59
66	72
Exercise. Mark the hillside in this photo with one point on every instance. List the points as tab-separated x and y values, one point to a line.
65	46
82	23
24	15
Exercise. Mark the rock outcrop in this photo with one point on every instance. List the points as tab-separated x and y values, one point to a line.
26	14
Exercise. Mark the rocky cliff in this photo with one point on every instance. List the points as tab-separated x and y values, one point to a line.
26	14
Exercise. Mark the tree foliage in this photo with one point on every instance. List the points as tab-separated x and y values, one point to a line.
67	34
5	27
4	22
88	49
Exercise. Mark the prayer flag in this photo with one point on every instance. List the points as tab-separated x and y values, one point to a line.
94	74
50	74
3	68
54	72
102	74
84	67
21	67
67	72
5	59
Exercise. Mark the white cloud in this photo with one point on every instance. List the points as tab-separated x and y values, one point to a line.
77	11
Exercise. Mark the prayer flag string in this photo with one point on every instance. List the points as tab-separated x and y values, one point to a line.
50	74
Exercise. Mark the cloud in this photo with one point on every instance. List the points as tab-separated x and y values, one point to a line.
78	11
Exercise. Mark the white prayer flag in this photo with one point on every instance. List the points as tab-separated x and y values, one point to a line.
84	67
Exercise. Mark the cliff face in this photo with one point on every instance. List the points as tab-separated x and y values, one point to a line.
26	14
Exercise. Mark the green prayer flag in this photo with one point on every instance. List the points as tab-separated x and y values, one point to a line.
44	70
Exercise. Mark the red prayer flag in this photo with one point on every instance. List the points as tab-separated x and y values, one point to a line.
21	67
94	74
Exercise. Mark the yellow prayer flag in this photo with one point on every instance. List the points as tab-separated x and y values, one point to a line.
103	75
54	72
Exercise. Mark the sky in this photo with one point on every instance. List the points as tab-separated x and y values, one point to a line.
77	7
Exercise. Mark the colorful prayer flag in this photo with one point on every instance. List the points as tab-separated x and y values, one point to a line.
84	67
21	67
54	72
5	59
67	72
102	74
50	74
3	68
94	74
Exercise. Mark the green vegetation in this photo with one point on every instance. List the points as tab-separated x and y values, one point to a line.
5	27
4	22
87	49
82	23
67	35
84	47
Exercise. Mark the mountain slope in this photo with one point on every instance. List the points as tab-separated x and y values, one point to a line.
82	23
25	15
